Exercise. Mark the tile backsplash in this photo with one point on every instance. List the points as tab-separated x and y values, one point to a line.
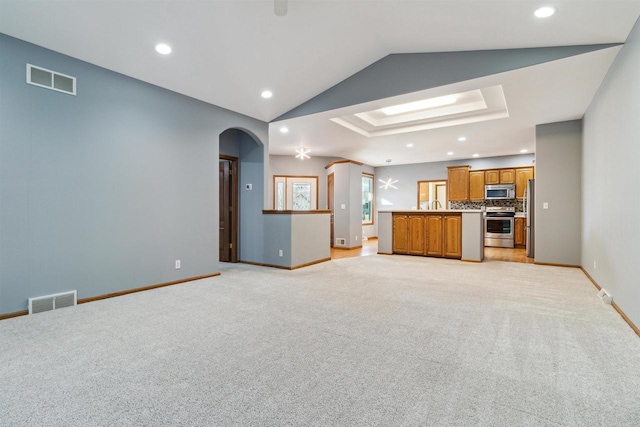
478	205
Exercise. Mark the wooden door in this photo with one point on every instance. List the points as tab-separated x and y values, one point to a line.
492	177
453	236
507	176
522	176
224	180
458	183
476	185
434	235
330	204
416	243
400	234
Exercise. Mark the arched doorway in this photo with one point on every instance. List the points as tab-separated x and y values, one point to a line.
241	184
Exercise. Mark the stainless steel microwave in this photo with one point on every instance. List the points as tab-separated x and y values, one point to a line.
500	192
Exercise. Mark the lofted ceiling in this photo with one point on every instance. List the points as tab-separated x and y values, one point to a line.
227	52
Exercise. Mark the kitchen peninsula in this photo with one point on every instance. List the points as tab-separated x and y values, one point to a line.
456	234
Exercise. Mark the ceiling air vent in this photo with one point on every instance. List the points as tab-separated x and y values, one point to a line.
53	302
48	79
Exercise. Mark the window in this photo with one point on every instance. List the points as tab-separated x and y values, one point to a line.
367	198
297	193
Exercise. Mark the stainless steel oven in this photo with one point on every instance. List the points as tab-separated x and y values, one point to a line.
499	227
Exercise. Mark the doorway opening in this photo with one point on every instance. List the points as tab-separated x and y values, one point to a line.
228	193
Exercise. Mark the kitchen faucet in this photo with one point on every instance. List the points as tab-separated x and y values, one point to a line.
437	205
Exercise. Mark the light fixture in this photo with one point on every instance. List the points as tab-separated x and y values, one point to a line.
409	145
524	150
476	155
545	12
450	153
389	182
266	94
302	153
462	139
284	129
419	105
163	49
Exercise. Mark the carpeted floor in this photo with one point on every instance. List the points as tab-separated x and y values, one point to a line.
378	340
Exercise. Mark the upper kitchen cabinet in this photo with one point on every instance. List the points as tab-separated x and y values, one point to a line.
476	185
522	176
458	184
500	176
492	177
507	176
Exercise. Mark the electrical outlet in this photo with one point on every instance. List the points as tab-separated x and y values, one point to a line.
356	238
280	252
545	205
178	264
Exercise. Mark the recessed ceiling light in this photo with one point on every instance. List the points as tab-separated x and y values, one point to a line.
476	155
450	153
462	139
545	12
266	94
419	105
284	129
409	145
163	49
524	150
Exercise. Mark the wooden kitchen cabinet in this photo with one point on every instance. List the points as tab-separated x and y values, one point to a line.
492	177
507	176
400	234
434	235
520	235
452	236
417	240
428	234
458	183
476	185
500	176
522	176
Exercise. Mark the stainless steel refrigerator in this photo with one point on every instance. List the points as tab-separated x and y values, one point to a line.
529	209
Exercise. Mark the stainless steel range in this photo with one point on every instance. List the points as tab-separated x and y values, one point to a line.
498	227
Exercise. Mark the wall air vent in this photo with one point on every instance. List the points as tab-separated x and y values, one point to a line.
340	241
53	302
48	79
605	296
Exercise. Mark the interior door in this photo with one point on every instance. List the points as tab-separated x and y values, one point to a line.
330	204
225	213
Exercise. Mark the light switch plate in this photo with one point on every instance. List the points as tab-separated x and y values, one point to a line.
545	205
343	206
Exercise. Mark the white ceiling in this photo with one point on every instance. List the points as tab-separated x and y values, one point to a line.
227	52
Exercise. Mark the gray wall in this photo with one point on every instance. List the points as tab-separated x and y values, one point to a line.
103	191
558	183
610	181
405	197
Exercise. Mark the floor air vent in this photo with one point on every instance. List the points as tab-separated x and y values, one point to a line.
53	302
48	79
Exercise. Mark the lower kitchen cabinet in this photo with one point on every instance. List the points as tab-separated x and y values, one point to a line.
428	234
519	232
452	236
400	234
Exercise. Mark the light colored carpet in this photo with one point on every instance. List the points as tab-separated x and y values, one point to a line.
378	340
